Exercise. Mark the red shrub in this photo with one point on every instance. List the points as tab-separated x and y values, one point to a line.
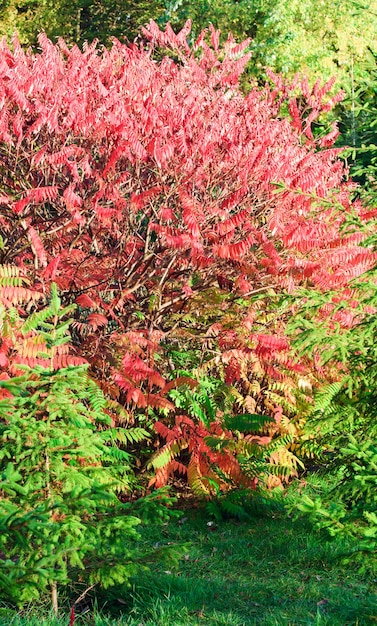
135	180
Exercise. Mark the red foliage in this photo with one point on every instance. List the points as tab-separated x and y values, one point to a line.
134	183
187	434
107	135
21	342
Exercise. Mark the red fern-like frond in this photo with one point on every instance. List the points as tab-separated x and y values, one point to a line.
18	295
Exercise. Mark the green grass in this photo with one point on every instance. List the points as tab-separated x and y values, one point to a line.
269	571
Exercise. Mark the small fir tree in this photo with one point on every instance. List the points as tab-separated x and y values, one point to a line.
60	471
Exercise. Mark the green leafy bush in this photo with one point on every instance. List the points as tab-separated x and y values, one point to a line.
338	328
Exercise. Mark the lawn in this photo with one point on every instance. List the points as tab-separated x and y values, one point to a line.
267	571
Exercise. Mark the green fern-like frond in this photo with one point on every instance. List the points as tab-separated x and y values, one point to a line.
309	448
280	442
251	449
197	483
241	504
11	276
126	435
247	422
122	415
97	399
226	507
325	397
55	301
35	320
279	470
289	407
220	443
166	454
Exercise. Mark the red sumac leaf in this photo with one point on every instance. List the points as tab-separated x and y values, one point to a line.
96	320
85	301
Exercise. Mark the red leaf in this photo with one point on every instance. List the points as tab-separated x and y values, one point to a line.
96	320
85	301
37	246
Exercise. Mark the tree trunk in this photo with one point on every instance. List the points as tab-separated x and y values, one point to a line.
54	597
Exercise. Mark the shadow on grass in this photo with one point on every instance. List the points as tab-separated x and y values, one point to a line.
265	572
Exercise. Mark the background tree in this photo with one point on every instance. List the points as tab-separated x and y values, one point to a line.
358	126
77	21
319	40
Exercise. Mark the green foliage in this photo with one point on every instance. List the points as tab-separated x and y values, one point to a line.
59	508
245	19
321	39
349	508
202	401
343	424
358	119
267	571
77	21
242	504
61	469
339	329
247	422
